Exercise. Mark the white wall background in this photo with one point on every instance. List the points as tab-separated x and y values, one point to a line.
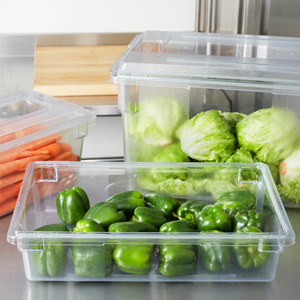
95	16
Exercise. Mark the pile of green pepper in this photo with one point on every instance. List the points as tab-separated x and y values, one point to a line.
130	211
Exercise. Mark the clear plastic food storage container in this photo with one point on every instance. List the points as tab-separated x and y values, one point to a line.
213	98
136	230
36	127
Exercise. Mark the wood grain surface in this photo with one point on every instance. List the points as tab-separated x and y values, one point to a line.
75	71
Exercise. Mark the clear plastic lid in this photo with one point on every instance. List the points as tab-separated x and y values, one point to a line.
188	57
28	116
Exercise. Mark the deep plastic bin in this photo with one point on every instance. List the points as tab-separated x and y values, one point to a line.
82	256
36	127
167	78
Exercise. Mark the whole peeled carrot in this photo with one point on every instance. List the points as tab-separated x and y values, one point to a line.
11	178
72	157
64	147
22	154
20	164
41	144
10	191
7	206
61	156
53	149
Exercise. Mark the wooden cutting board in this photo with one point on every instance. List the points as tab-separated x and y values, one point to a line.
75	71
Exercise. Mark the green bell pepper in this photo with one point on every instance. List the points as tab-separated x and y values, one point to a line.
131	226
247	255
149	215
86	225
126	195
213	217
52	260
72	204
167	204
215	256
178	226
245	197
189	209
105	214
232	208
134	259
251	218
127	202
176	260
93	261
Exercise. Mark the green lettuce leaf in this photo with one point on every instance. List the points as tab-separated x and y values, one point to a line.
289	170
241	155
155	120
271	133
207	137
232	119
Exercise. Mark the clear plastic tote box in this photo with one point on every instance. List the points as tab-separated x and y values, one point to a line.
36	127
163	253
213	98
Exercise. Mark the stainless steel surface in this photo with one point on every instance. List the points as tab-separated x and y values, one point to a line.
14	285
198	15
284	18
249	16
104	110
258	17
208	15
265	17
104	139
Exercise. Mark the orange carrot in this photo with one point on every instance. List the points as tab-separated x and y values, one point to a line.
11	178
64	147
18	165
42	144
7	138
22	154
54	149
7	206
72	157
61	156
9	191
